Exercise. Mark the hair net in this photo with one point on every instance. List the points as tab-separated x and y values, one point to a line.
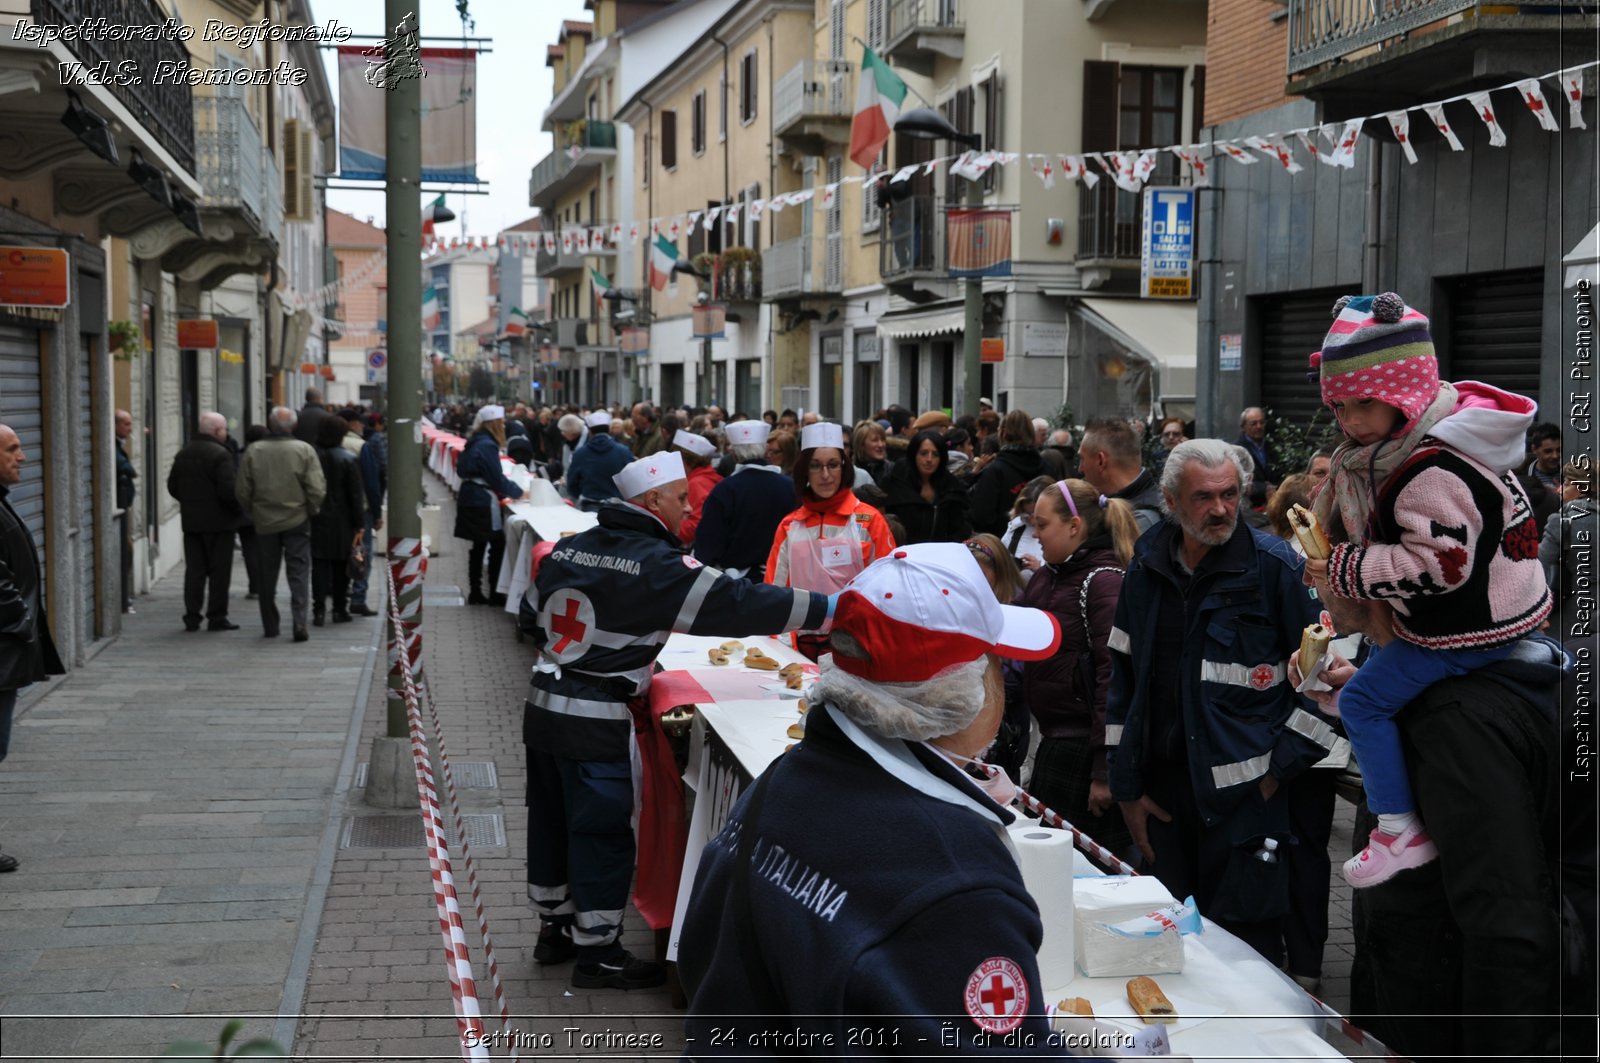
918	711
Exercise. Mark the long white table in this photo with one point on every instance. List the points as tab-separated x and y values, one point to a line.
527	523
1235	1004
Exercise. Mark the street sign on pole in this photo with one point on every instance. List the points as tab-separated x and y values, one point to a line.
1166	262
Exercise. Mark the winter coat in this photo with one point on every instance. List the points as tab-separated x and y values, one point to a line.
701	483
1566	552
1144	495
374	463
483	484
127	478
999	484
1067	691
27	653
201	479
280	483
944	520
843	515
335	525
741	515
309	420
596	462
648	442
1452	544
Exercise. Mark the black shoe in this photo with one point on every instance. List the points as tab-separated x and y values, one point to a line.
302	635
555	945
477	598
363	609
191	625
222	625
8	863
625	971
317	620
341	617
270	633
497	598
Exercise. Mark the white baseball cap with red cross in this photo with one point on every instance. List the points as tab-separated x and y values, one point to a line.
926	608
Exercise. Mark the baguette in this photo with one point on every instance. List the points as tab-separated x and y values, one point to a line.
1313	644
792	681
718	655
803	707
754	651
1308	529
732	646
1076	1006
795	731
1149	1002
792	669
764	664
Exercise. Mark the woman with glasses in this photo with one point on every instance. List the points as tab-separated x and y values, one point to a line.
930	502
1172	433
833	535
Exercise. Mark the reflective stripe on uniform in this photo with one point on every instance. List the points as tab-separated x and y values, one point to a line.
592	710
1119	641
1224	775
797	615
1255	676
598	927
1302	722
695	599
1113	734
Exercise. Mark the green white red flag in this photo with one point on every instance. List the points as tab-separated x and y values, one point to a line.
879	94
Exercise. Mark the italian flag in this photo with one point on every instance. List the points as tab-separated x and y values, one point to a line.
600	284
879	94
663	253
516	322
434	212
430	308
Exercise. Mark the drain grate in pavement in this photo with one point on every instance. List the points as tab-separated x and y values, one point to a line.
470	775
405	832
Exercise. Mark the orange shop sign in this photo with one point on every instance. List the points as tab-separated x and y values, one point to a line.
197	334
992	349
34	276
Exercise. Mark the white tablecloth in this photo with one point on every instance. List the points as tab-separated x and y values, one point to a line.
526	524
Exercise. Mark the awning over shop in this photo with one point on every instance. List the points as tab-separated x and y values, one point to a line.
919	323
1583	261
1164	333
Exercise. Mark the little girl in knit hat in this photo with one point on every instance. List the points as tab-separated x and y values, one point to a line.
1427	517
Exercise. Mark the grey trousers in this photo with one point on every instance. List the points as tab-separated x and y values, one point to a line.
291	549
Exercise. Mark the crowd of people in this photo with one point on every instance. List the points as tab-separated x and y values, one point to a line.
1171	717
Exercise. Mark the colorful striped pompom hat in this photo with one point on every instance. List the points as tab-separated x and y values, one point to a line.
1378	348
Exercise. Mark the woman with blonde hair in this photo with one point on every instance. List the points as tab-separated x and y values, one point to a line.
1086	541
869	447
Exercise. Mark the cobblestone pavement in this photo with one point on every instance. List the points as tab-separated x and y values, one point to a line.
179	806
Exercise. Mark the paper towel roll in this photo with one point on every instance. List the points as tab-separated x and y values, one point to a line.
1045	857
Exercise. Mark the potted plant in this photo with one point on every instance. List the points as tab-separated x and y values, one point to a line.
125	340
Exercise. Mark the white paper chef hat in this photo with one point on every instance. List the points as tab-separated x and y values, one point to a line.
598	419
640	476
695	444
747	432
821	434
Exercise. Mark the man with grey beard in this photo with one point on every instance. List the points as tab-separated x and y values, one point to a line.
1203	726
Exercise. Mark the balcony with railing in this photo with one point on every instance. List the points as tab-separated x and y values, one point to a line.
912	244
790	269
1406	45
921	32
567	257
233	169
1108	227
812	106
166	112
581	149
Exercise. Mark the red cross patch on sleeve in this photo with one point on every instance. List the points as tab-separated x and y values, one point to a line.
997	995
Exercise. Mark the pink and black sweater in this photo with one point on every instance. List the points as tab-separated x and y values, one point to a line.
1456	546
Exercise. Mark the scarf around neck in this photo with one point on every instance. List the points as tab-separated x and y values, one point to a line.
1356	472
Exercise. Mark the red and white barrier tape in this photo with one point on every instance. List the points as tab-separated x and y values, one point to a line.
458	958
1051	818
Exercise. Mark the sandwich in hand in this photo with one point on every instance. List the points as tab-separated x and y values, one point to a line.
1308	529
1314	642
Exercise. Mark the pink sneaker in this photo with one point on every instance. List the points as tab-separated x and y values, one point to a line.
1387	855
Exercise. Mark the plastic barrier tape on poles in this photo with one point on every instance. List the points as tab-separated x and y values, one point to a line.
1050	817
463	985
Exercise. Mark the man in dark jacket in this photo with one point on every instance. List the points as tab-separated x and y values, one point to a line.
594	464
374	462
741	515
1203	728
1109	459
310	417
1253	438
202	481
1002	480
27	654
599	612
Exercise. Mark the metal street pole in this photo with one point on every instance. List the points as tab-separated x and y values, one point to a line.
972	328
403	130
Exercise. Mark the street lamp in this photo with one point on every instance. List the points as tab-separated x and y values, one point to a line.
925	123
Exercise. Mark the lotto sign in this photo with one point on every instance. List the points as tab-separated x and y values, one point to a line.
1166	265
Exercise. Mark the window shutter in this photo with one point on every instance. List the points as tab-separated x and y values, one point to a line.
993	126
308	156
1198	83
747	87
870	212
877	24
1100	96
669	139
836	34
291	169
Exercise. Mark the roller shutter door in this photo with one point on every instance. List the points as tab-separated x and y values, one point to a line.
1495	329
1290	328
83	512
22	408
